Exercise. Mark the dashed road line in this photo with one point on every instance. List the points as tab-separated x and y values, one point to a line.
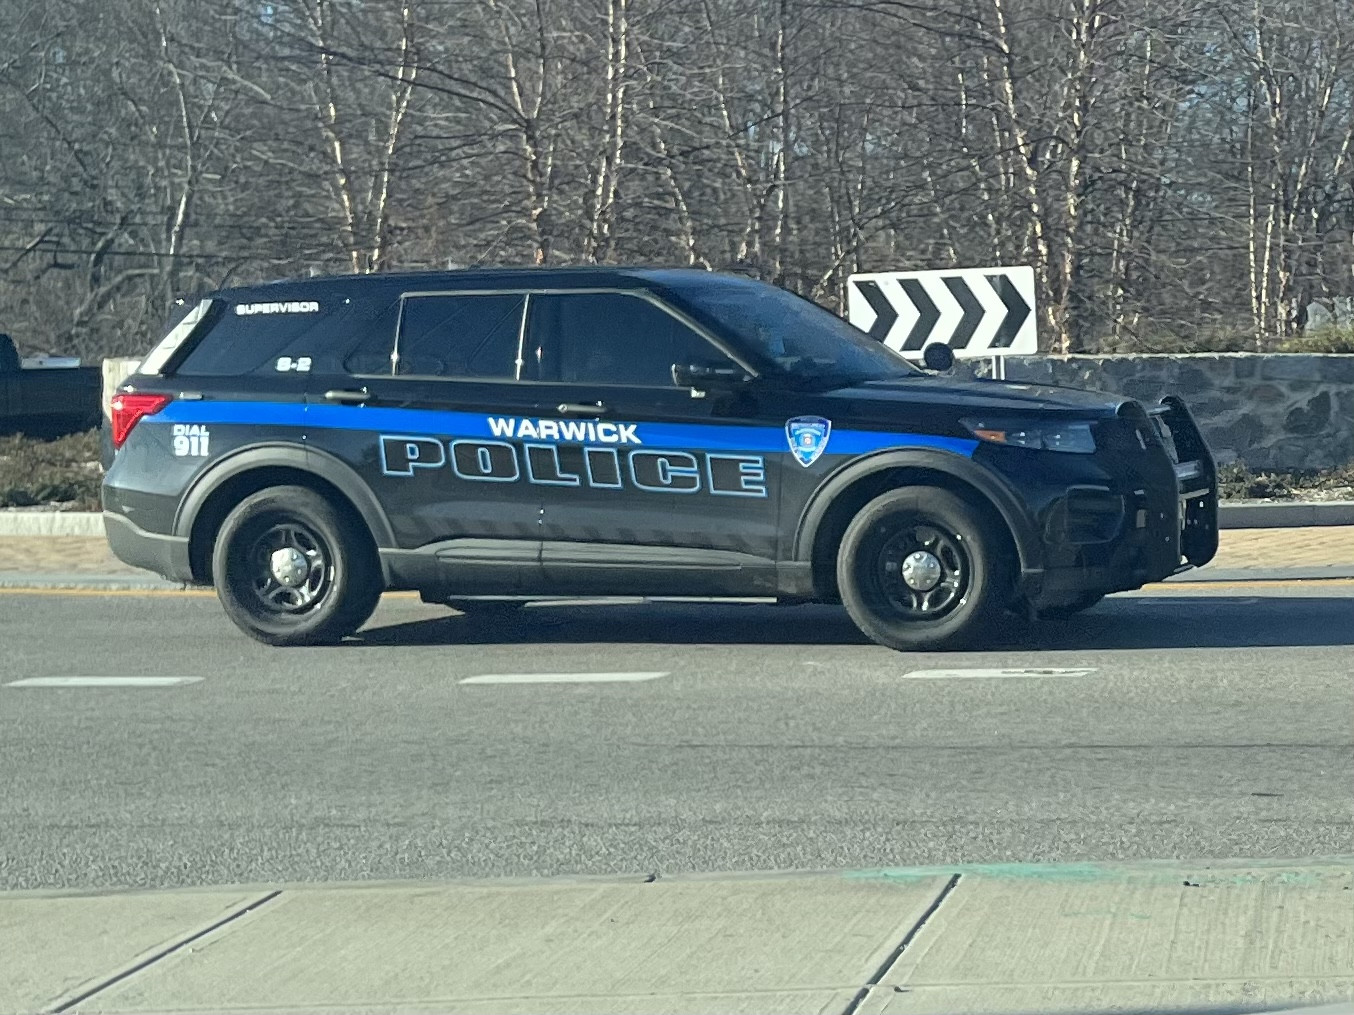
1001	673
563	678
103	681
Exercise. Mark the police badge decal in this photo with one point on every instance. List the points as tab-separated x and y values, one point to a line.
807	436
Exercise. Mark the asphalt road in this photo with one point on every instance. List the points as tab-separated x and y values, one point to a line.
1213	722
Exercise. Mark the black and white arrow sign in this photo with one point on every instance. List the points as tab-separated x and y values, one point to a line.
978	312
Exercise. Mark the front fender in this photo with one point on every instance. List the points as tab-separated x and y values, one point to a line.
990	486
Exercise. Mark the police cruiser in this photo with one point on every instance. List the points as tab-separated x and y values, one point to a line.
492	436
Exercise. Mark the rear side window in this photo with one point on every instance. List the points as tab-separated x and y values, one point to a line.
187	323
264	337
613	338
470	336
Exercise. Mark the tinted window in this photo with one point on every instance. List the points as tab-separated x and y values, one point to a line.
372	352
251	336
613	338
461	336
788	334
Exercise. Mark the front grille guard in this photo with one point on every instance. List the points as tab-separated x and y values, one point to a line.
1196	474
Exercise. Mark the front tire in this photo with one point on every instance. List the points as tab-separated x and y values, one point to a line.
921	568
291	568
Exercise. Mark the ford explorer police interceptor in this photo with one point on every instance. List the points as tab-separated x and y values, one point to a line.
493	436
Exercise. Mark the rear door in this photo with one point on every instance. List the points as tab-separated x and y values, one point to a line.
645	487
411	412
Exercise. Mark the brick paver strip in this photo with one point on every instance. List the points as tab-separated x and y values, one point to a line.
1262	548
60	555
1317	546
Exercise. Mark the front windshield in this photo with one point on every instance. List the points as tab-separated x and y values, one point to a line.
789	335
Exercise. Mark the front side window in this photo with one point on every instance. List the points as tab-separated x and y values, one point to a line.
788	335
471	336
613	338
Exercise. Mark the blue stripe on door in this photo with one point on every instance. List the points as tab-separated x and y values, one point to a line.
439	423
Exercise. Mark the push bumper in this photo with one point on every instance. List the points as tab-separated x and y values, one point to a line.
1197	478
1156	529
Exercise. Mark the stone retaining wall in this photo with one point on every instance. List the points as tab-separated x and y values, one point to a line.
1267	411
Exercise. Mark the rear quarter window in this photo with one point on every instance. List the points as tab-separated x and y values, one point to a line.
251	337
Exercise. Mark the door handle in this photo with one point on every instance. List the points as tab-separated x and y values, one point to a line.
348	396
581	409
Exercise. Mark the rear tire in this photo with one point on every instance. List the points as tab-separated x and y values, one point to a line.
291	568
921	568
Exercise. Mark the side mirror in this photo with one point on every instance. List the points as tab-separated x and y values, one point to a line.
707	376
938	357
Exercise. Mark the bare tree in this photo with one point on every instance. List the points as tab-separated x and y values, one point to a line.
1178	172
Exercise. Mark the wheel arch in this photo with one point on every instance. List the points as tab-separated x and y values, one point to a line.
258	467
831	508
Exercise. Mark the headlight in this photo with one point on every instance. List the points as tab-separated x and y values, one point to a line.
1072	437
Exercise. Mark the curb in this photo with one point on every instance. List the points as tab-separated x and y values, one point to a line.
87	582
51	523
1285	514
1237	870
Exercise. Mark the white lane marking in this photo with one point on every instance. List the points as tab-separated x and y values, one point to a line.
1165	599
103	681
1075	671
561	678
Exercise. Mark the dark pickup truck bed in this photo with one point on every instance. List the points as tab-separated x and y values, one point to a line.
46	401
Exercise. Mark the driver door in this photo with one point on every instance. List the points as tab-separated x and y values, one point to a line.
685	499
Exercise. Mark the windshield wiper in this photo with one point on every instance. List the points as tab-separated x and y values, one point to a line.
826	382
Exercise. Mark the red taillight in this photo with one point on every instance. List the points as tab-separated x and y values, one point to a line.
127	410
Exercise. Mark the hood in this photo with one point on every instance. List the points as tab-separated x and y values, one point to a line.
982	397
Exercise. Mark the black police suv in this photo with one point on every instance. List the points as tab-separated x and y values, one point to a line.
492	436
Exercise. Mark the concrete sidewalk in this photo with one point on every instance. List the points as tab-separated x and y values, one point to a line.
1290	553
1167	937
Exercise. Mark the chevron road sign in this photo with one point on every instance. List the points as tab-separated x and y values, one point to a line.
980	313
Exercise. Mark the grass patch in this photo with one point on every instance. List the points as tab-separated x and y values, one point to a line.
1329	339
1236	482
62	472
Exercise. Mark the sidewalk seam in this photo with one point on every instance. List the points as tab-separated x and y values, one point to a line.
150	960
892	959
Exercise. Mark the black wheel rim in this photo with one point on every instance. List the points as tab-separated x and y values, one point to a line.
289	569
920	571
